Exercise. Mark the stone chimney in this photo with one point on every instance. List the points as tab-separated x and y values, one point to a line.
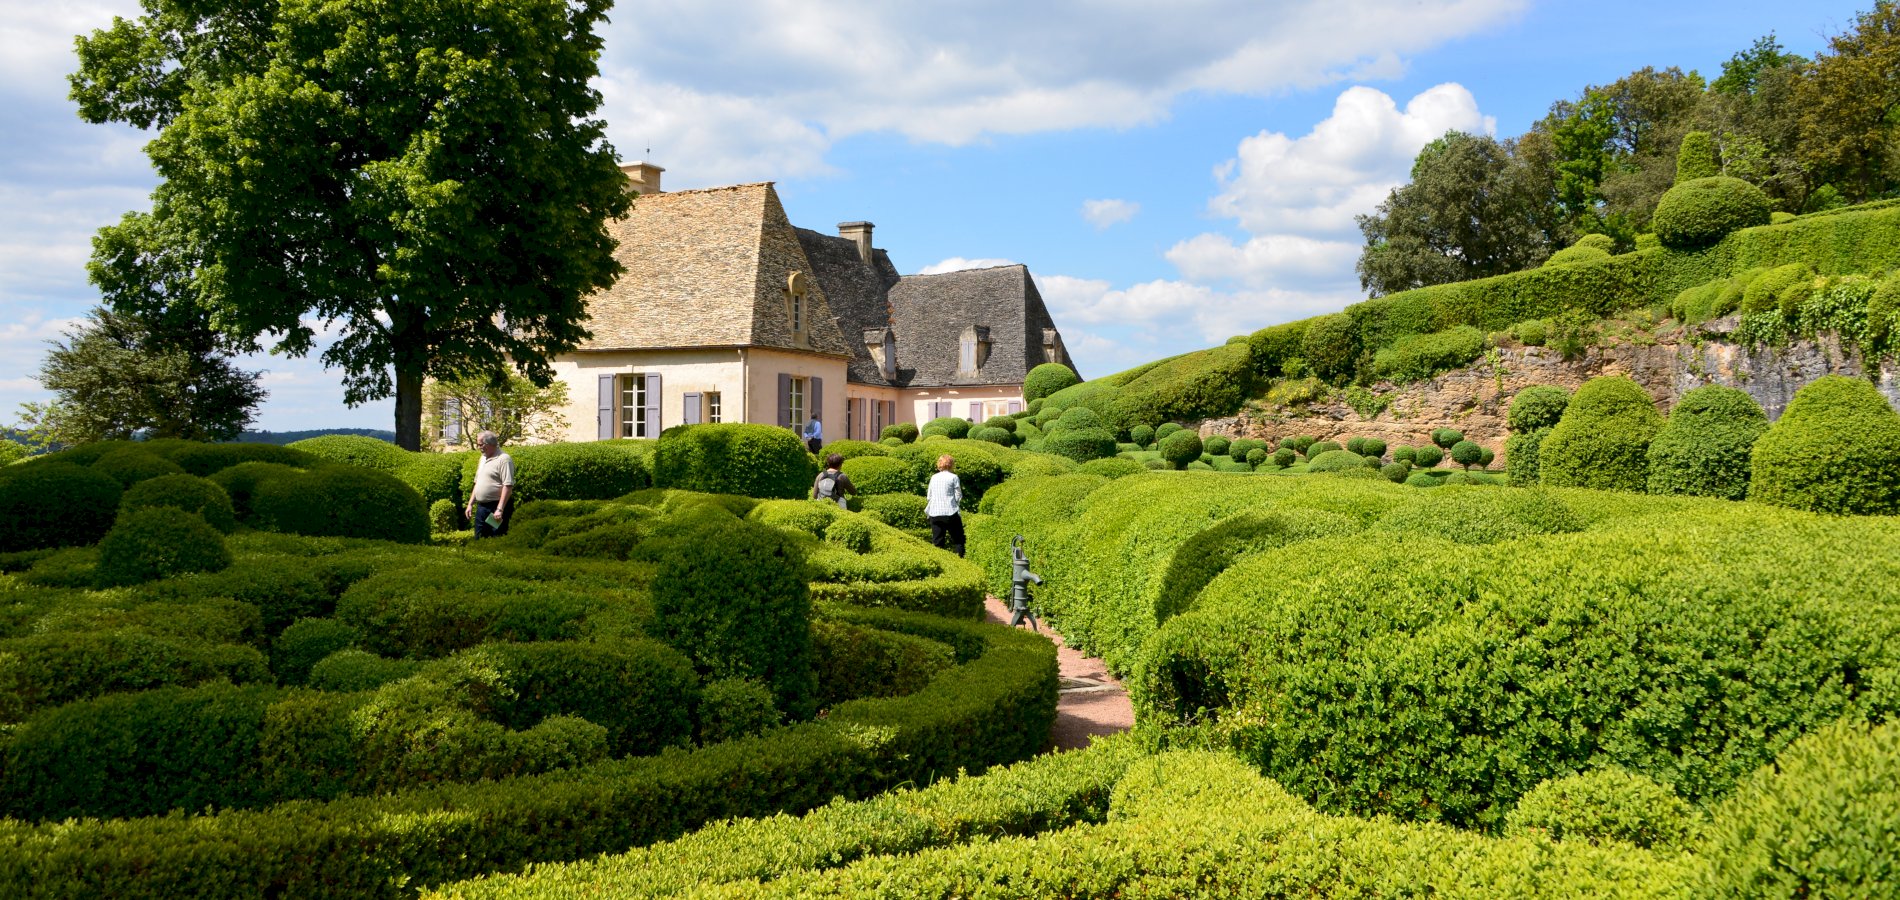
642	177
858	233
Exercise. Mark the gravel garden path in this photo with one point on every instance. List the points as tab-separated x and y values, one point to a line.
1091	702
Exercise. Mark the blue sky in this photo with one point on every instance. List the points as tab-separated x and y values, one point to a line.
1171	173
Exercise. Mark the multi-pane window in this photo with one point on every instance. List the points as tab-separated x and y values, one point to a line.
795	403
798	313
633	406
712	407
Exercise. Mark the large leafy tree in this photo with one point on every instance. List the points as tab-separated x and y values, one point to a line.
119	374
1850	102
428	174
1759	123
1616	147
1475	207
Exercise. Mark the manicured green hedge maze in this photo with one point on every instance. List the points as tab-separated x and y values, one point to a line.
344	716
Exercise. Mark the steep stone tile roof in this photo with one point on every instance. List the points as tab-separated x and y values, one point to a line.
857	293
708	268
930	312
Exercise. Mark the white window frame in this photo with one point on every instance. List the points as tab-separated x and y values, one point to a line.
712	410
632	409
795	394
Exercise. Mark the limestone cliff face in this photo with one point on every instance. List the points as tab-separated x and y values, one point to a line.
1474	399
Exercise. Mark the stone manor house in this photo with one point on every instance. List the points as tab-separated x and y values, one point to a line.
728	313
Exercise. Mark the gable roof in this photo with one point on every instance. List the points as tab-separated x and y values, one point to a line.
708	268
930	312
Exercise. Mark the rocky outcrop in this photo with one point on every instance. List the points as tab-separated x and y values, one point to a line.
1475	399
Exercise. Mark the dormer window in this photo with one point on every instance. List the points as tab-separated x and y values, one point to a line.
795	308
973	350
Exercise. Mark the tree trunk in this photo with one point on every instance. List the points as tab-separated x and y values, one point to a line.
408	404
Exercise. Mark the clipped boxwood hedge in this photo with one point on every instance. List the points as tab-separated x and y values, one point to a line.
595	470
1835	449
185	493
1603	439
996	706
1701	211
158	542
341	501
55	504
1704	450
744	459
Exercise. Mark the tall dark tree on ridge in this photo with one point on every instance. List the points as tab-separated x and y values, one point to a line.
427	174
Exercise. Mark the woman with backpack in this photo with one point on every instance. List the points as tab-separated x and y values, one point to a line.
832	484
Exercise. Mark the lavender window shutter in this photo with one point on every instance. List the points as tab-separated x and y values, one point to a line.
817	402
451	420
890	412
784	400
689	409
1015	406
606	407
976	410
653	404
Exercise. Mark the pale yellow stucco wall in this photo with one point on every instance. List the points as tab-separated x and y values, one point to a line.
747	381
994	397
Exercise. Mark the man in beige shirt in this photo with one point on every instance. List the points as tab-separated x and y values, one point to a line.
494	482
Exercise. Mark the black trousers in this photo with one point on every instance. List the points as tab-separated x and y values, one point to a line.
947	529
482	528
813	444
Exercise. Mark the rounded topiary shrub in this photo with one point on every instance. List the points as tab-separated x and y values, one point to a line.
732	595
1356	445
1007	423
1048	378
1372	448
853	534
750	460
949	426
240	482
733	708
1520	455
1166	428
1239	449
53	504
354	450
1427	456
1330	345
1285	456
1606	805
1217	444
1396	472
1701	211
445	517
1763	293
1704	450
1820	822
1318	447
1467	454
1180	448
591	470
1335	461
999	436
188	493
905	432
1403	453
1538	406
1084	444
904	511
157	542
1141	436
1836	449
131	466
853	449
1579	252
305	643
1076	417
1446	438
882	475
1602	441
340	501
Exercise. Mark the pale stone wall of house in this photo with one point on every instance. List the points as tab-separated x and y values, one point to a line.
866	422
763	367
994	397
681	371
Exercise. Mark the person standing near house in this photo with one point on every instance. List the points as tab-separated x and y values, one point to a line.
494	483
814	434
944	506
832	484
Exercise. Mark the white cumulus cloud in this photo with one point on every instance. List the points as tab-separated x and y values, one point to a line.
1103	213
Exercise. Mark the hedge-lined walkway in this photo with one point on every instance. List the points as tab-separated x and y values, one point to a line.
1092	702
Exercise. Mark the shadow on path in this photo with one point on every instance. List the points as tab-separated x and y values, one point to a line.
1091	702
